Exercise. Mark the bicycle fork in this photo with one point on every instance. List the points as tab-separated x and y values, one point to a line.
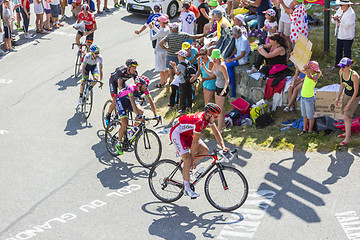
222	178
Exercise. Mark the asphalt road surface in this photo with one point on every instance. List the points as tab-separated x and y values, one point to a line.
59	182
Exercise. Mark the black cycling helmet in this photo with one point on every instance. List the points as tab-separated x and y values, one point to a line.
212	108
131	63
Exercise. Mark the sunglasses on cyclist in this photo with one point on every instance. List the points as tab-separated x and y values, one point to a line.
146	85
96	53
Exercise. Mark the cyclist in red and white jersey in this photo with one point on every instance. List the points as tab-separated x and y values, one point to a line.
90	25
185	135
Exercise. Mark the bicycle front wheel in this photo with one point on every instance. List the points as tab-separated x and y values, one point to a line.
78	65
88	102
105	111
111	137
166	181
148	148
232	195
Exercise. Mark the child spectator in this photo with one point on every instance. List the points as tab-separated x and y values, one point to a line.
313	73
185	90
39	11
270	27
295	86
7	26
174	97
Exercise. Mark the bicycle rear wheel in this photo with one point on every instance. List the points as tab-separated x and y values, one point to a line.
88	102
111	137
148	148
105	111
230	198
78	65
166	181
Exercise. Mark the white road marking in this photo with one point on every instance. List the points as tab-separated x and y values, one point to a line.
2	131
5	81
350	223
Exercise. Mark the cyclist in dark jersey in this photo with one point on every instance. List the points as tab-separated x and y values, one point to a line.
125	102
117	81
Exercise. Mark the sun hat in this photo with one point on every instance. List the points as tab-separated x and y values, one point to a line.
343	2
182	53
163	18
271	12
213	3
241	18
174	25
215	54
345	62
185	46
314	66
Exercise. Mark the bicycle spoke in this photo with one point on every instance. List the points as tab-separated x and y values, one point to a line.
148	148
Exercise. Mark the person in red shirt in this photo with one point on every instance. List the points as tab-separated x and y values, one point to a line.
185	135
90	25
194	9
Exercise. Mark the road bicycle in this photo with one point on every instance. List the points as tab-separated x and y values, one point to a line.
87	97
79	57
114	114
138	138
226	188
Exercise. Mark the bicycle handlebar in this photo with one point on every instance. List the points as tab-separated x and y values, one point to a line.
154	118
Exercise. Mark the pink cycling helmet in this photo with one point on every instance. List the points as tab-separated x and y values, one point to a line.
142	80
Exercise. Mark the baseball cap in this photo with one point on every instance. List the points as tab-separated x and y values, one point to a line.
213	3
182	53
314	66
185	46
345	62
271	12
163	18
157	7
174	25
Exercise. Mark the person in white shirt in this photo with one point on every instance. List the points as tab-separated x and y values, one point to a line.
239	56
160	53
344	19
187	20
285	22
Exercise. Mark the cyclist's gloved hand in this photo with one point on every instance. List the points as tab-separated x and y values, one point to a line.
101	83
140	116
83	79
157	117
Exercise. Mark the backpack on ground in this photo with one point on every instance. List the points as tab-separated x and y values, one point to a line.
190	70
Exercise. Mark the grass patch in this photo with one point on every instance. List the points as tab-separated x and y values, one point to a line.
271	138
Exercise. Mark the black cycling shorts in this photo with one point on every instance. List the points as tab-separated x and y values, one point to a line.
89	37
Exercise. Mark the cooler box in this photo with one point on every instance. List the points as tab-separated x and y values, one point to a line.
241	105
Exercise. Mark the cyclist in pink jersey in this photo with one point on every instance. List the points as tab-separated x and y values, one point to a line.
185	135
125	102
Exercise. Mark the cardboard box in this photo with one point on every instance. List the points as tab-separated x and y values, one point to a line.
325	104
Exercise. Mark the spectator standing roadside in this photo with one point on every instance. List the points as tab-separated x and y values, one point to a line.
299	22
63	5
160	53
349	80
204	18
25	13
187	20
313	73
238	57
16	8
193	9
39	11
219	70
47	10
152	18
175	40
285	21
7	26
55	12
185	90
345	26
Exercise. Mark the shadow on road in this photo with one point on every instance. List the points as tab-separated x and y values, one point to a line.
76	123
177	222
339	166
69	82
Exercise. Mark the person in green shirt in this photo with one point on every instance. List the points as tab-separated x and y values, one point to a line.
313	73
